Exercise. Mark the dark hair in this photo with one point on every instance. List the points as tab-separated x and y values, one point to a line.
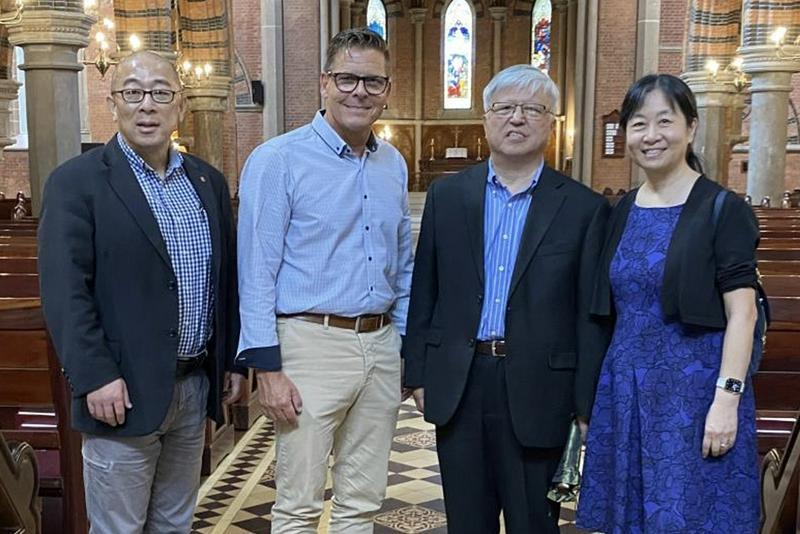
678	94
355	38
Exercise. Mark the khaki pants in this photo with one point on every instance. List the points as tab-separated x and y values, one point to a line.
350	386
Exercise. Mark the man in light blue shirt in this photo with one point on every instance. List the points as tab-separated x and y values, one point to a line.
324	275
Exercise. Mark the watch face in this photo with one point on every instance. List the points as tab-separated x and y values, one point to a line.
733	385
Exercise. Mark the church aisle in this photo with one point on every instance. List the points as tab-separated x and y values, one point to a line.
237	498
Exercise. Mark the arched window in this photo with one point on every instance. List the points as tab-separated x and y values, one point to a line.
19	108
376	17
458	63
540	34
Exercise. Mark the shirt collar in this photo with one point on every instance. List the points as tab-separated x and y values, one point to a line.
333	139
492	176
136	161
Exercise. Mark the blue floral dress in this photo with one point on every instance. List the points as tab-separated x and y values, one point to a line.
644	472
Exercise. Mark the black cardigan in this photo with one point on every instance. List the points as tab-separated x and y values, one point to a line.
701	263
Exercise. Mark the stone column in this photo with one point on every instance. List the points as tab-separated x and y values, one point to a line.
272	67
771	83
51	39
8	93
647	32
418	20
208	101
714	97
499	14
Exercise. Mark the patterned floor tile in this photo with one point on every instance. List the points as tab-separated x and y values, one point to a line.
414	503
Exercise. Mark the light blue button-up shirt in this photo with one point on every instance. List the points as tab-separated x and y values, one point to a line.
321	230
504	218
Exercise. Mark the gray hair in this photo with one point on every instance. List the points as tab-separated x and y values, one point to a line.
522	77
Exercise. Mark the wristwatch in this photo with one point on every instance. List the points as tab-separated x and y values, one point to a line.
731	385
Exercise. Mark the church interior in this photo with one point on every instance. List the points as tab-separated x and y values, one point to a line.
250	71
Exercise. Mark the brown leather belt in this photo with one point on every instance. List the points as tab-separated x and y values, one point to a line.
495	347
188	365
360	324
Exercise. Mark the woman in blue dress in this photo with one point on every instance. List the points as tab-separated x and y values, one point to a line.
671	446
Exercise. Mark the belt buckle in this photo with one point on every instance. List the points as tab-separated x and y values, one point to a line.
494	350
357	326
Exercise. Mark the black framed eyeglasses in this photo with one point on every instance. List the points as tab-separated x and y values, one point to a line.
531	111
159	96
347	82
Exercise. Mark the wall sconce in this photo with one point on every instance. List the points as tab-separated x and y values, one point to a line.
778	38
13	17
193	75
739	81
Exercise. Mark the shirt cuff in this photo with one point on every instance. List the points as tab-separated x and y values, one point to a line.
262	358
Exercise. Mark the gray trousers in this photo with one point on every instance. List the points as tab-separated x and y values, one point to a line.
149	483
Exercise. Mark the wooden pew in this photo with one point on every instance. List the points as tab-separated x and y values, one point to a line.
780	478
20	506
765	266
219	438
34	407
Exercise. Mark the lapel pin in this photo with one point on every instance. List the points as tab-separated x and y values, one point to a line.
203	179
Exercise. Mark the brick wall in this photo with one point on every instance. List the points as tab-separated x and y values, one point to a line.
14	173
616	63
301	62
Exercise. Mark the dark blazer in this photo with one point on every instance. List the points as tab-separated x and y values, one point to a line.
109	293
703	260
554	348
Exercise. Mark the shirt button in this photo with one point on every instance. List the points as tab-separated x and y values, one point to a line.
370	258
366	228
371	288
471	342
505	236
497	301
365	196
171	285
494	332
501	268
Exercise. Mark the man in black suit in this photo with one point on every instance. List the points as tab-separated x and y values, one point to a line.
500	352
138	282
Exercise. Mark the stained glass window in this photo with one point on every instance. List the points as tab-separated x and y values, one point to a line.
541	22
458	37
376	17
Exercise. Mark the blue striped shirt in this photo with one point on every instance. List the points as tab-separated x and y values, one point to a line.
504	217
320	231
183	222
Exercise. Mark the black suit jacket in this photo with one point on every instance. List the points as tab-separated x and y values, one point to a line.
703	260
554	347
109	293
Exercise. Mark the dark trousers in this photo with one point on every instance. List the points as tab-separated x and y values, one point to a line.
485	469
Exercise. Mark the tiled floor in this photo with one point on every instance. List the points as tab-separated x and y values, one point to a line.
238	496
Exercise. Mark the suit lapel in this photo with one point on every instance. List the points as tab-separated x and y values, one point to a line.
127	188
203	187
547	200
474	197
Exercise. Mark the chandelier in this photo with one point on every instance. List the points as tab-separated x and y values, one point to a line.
190	75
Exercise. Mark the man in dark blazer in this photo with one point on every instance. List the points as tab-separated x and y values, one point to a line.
138	283
501	353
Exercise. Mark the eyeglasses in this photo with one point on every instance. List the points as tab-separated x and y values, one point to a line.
531	111
159	96
347	82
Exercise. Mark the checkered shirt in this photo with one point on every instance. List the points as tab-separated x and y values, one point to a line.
184	226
